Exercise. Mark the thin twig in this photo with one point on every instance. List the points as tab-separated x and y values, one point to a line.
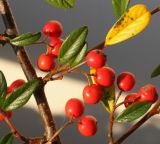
118	96
73	71
59	131
15	132
155	10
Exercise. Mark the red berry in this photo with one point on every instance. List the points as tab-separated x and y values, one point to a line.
87	126
148	93
105	76
126	81
92	94
133	98
8	114
54	47
45	62
74	108
95	59
16	84
53	29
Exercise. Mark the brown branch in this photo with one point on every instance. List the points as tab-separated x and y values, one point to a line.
155	10
155	110
15	132
28	69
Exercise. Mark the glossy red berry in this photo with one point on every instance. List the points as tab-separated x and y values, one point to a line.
74	108
53	29
92	94
87	125
148	93
8	114
17	83
54	47
95	59
126	81
131	99
45	62
105	76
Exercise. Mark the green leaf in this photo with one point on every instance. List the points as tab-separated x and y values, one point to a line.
120	7
78	58
26	39
72	45
61	3
3	88
108	98
20	96
134	111
156	72
8	139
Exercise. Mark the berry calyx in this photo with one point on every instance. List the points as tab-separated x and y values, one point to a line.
54	47
105	76
74	108
148	93
8	114
45	62
95	59
16	84
126	81
53	29
87	125
131	99
92	94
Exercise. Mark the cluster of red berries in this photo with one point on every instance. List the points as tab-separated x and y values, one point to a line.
17	83
87	125
52	30
92	93
105	77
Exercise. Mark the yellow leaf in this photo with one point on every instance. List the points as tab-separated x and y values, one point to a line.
130	24
108	97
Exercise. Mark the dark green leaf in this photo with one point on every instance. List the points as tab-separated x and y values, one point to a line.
134	111
156	72
78	58
20	96
8	139
72	45
61	3
120	7
3	88
108	98
26	39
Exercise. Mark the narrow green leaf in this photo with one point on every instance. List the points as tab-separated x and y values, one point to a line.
156	72
20	96
108	98
8	139
61	3
26	39
3	88
134	111
120	7
80	56
72	45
